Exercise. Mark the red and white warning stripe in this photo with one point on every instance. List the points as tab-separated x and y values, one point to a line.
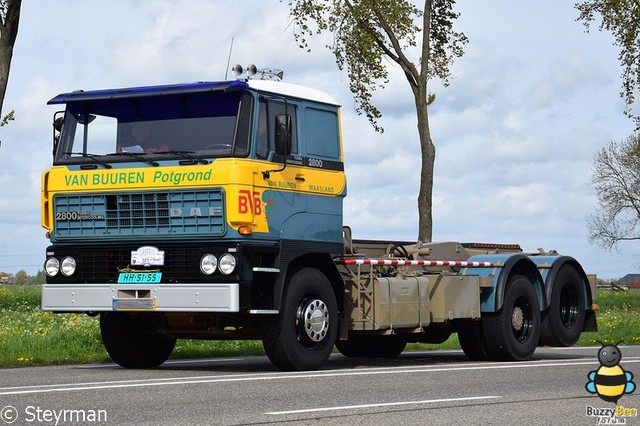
394	262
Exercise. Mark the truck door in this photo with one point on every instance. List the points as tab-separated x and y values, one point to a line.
322	174
280	191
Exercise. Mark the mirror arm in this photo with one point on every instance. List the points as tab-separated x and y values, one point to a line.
266	174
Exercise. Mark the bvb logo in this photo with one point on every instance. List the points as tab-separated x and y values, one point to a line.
610	381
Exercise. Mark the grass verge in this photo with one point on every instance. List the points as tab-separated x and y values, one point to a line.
29	336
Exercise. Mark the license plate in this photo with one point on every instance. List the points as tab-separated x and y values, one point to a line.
139	277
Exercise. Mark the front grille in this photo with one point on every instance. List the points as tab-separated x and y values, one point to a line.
102	264
139	213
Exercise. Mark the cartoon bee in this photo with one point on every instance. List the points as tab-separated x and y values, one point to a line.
610	381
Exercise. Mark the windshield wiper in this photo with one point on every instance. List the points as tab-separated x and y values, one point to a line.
95	157
138	157
188	155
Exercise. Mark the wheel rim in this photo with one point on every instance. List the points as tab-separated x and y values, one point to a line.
521	319
568	306
312	320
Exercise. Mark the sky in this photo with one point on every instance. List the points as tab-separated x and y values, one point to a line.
516	131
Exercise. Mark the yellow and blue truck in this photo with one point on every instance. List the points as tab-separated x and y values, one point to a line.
213	210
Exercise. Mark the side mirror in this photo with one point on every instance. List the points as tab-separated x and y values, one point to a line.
283	134
58	124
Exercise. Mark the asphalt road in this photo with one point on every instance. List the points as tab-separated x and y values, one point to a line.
439	388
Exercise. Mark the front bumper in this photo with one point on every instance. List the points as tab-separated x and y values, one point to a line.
143	297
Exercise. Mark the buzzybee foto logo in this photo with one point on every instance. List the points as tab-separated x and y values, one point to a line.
610	382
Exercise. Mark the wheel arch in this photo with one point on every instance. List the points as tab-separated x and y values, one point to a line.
519	265
549	274
492	299
322	262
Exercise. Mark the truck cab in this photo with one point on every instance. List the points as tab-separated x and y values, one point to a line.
191	199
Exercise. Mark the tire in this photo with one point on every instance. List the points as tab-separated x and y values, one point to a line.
369	346
302	336
512	333
132	341
563	321
472	341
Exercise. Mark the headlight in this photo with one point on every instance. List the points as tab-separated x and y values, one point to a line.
52	267
227	263
208	264
68	266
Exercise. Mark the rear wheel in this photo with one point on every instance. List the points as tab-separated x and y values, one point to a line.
564	320
371	346
132	340
302	336
472	341
511	334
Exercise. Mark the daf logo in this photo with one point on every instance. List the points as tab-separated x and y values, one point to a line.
195	212
147	256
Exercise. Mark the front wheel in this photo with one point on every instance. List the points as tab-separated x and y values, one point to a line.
511	334
132	340
302	336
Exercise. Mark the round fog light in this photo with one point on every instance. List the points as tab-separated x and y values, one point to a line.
52	267
227	263
68	266
208	264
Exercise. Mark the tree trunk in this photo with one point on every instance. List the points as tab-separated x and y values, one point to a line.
428	154
427	148
8	34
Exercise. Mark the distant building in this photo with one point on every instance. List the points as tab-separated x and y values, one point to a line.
630	280
6	279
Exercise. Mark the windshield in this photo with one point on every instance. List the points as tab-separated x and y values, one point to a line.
196	125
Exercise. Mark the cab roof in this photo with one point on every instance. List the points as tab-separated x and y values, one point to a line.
276	88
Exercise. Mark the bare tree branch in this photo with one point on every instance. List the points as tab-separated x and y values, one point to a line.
616	179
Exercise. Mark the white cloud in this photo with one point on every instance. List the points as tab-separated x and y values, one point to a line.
566	77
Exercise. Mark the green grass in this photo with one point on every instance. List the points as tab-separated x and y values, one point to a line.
618	319
29	336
